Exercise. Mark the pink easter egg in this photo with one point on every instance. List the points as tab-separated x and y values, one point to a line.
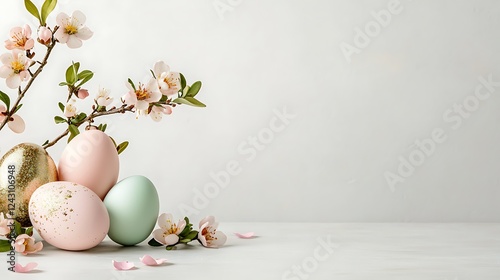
91	160
68	216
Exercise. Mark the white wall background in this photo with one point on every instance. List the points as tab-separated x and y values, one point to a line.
352	120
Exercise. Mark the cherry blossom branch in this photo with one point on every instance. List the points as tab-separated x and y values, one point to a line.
22	93
95	114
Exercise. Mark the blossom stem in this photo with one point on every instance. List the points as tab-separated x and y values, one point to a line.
124	108
22	92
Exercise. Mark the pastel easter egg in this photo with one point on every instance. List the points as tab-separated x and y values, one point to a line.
23	169
133	206
68	216
91	160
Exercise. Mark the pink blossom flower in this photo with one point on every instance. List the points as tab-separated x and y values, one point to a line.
158	111
16	123
169	82
143	95
82	93
168	233
208	234
20	39
70	108
103	98
15	68
44	35
71	29
5	223
25	244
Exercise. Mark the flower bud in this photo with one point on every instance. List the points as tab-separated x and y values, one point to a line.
82	93
44	35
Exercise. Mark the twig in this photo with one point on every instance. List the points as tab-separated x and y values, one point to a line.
124	108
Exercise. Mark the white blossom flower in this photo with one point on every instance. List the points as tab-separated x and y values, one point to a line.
208	234
20	38
15	68
70	108
143	95
168	233
103	98
169	82
72	30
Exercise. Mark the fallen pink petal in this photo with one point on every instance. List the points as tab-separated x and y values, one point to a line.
123	265
148	260
23	269
247	235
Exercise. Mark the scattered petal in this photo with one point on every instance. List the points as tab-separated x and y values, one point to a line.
123	265
23	269
148	260
247	235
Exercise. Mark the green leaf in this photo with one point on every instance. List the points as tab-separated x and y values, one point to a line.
17	228
32	9
47	7
80	117
192	235
29	231
120	148
154	243
73	130
84	74
185	231
5	99
185	91
4	245
191	101
163	98
62	84
61	106
59	119
131	83
18	107
183	81
76	66
170	247
102	127
71	75
84	77
194	89
185	240
152	73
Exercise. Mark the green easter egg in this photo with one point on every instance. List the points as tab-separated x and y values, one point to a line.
133	207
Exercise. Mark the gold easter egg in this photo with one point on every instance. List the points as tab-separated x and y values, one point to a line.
23	169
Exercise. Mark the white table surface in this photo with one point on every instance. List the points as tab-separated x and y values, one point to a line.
357	251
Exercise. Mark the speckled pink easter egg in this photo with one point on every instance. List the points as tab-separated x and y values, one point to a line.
91	160
68	216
